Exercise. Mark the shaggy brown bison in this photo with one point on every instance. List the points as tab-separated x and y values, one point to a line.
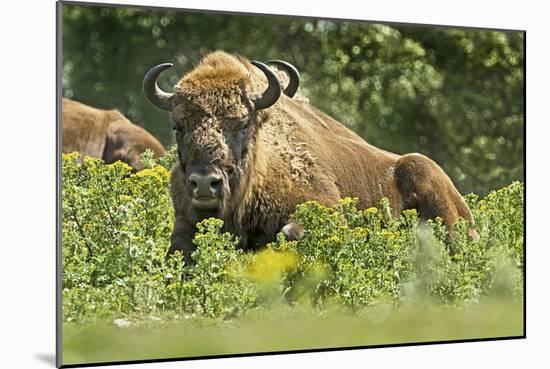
249	154
105	134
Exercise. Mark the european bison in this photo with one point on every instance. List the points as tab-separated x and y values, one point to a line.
249	154
105	134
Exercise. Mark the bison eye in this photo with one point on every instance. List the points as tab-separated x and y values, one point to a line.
236	125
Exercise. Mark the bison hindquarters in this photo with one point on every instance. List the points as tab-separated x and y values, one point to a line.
425	186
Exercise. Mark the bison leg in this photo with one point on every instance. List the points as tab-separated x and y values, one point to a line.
182	241
292	231
425	186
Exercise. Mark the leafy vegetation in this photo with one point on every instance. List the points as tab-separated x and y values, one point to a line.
351	264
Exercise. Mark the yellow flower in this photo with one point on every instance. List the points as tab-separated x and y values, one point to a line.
120	164
125	198
269	265
346	201
70	156
159	173
359	232
371	210
409	212
388	234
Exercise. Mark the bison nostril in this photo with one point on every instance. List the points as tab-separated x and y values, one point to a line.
194	182
215	186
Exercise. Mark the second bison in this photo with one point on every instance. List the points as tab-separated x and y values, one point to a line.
105	134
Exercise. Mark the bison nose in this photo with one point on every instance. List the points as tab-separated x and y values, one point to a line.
208	185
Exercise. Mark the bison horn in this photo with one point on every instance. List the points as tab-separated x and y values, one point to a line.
153	92
293	75
273	91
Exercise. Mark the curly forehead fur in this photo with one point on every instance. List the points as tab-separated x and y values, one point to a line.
216	69
217	86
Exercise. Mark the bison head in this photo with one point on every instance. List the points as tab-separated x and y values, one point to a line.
215	114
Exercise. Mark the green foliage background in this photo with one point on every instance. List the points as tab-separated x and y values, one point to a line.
453	94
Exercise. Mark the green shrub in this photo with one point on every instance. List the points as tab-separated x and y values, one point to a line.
116	226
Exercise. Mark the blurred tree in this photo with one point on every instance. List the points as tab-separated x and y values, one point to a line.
455	95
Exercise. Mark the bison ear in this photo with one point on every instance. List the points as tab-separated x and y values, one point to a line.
273	91
293	75
153	92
